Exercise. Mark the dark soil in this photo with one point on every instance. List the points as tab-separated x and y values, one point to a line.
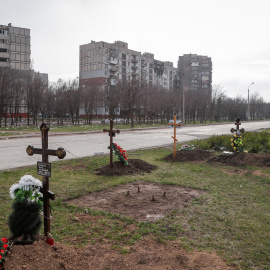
243	159
188	155
146	254
134	166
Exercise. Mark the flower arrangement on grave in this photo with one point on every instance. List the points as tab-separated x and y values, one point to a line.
120	153
25	220
237	143
187	147
5	247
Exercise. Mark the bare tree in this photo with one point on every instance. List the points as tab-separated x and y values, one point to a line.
5	81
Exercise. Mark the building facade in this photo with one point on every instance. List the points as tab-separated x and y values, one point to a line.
195	72
15	48
105	63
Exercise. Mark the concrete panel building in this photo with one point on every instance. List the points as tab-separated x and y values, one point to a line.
105	63
15	48
195	72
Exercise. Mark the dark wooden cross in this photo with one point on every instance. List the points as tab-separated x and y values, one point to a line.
111	134
45	152
174	137
237	130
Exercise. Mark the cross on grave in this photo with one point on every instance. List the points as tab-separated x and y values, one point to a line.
45	152
111	134
237	130
174	137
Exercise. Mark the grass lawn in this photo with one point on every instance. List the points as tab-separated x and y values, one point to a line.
76	128
232	217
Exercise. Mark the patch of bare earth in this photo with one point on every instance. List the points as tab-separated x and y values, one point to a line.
243	159
134	166
140	200
145	254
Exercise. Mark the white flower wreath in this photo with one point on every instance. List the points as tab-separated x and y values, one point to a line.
27	182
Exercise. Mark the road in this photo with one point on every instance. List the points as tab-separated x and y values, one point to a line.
13	151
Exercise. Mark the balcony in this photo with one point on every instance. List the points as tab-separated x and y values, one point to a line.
113	61
144	64
113	69
113	76
114	54
134	73
4	55
134	60
134	67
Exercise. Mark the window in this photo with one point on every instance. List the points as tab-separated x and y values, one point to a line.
3	50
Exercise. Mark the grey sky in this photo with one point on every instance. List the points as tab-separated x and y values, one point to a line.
235	33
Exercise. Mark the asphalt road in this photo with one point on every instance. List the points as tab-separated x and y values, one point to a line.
13	151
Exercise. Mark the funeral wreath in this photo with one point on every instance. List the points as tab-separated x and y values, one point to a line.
25	220
120	153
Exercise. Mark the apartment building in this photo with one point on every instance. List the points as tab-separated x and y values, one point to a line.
15	50
105	63
195	72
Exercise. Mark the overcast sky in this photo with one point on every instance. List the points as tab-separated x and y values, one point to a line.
234	33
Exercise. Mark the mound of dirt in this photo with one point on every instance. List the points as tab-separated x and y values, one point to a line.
140	200
188	155
243	159
145	254
134	166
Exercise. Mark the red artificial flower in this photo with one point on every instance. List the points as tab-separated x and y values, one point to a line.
1	257
118	147
50	241
4	240
115	144
124	151
5	246
121	151
2	251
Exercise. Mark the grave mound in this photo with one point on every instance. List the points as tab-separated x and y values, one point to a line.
243	159
134	166
188	155
140	200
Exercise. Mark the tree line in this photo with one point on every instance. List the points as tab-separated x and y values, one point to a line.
132	101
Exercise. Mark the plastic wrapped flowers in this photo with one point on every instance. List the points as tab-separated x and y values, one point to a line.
27	189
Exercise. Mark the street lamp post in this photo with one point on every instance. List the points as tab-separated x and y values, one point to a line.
183	89
248	114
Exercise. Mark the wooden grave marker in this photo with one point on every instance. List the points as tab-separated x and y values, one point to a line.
44	170
111	134
237	130
174	124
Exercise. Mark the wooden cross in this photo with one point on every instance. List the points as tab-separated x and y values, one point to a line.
45	152
174	137
237	130
111	134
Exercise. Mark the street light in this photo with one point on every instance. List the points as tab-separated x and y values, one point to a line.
248	103
183	89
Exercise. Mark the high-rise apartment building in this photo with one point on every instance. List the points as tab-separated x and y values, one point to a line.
195	72
15	48
105	63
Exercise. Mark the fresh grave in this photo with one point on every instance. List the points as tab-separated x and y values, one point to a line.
188	153
123	166
140	200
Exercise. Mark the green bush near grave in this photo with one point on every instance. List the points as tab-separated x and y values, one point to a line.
253	142
232	218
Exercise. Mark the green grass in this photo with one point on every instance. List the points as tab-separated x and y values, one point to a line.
232	218
253	142
77	128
